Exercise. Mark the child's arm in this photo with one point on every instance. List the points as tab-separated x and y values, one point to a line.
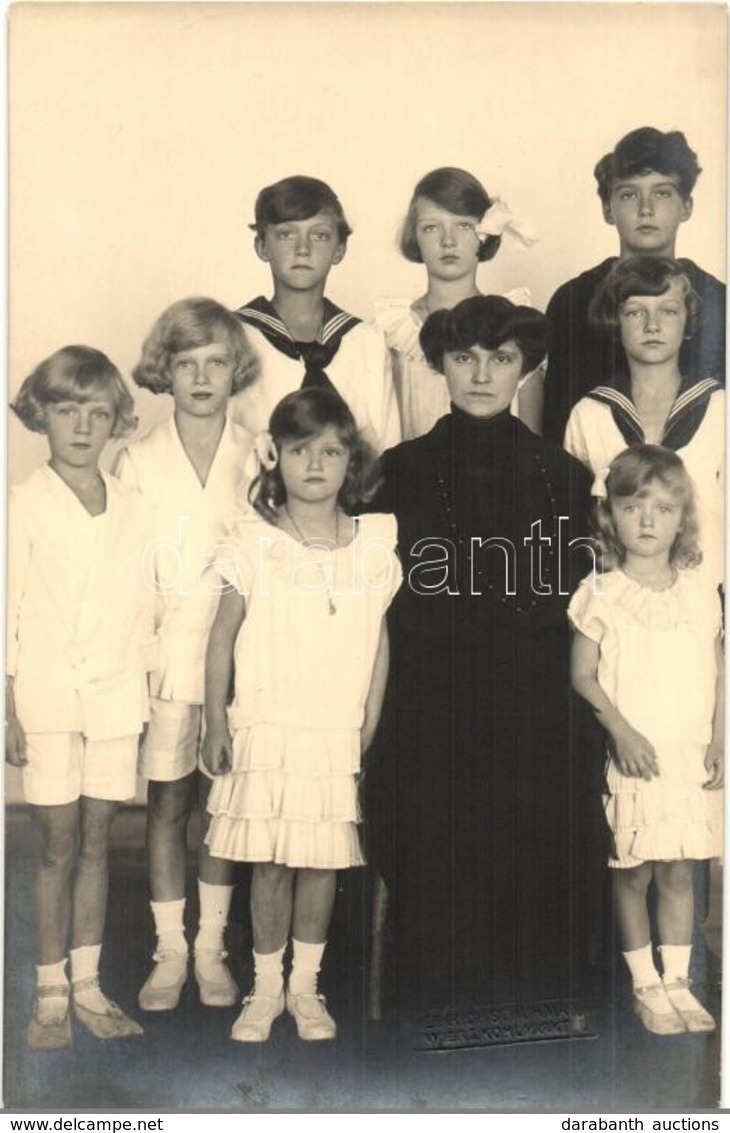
217	746
376	692
14	734
633	753
715	755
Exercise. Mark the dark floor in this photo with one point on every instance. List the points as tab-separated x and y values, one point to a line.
185	1061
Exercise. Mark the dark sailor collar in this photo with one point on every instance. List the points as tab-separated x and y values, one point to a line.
683	421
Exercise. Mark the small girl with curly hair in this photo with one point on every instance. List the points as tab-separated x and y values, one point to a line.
301	619
80	630
191	468
647	657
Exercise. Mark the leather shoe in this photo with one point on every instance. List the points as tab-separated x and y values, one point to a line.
313	1020
109	1023
222	991
53	1033
696	1019
253	1025
656	1012
161	990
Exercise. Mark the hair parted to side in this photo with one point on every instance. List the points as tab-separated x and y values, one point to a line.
298	198
304	414
642	275
74	373
630	474
456	191
185	325
487	321
648	150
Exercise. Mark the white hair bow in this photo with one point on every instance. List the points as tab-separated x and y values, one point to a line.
499	219
263	456
598	487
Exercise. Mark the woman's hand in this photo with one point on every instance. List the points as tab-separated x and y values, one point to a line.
633	753
217	750
715	765
15	745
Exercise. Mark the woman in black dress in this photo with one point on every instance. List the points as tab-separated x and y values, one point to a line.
483	792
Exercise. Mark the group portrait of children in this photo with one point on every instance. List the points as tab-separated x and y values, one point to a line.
432	591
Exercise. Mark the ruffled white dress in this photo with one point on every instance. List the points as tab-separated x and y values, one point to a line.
422	393
657	665
302	679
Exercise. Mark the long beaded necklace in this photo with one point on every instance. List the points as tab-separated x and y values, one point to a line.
465	548
306	540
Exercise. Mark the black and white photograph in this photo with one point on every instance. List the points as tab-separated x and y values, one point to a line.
365	557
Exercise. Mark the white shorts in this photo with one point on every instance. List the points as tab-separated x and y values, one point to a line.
171	745
62	766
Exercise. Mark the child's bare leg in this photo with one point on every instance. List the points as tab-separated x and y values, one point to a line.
91	885
271	906
675	918
313	903
216	878
629	901
271	912
675	901
169	805
57	833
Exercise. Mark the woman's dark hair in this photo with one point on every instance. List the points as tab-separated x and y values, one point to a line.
456	191
304	414
641	275
630	474
74	373
648	150
298	198
487	321
186	325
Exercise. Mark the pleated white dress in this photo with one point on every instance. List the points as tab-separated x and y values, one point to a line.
657	665
302	679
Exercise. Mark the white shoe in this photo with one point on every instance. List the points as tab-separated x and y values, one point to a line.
313	1020
656	1012
161	990
254	1023
694	1016
216	985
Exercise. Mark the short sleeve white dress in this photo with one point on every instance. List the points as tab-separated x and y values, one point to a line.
304	659
657	665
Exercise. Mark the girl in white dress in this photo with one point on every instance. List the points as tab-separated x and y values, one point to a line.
451	227
191	469
647	658
305	590
80	640
651	303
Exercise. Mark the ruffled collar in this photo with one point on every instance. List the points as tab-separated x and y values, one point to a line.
655	609
401	324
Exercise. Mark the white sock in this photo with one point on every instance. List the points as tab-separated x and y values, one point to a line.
169	926
215	903
675	961
640	963
85	966
269	969
51	1007
305	967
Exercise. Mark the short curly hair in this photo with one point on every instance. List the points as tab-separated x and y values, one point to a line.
185	325
304	414
74	373
487	321
641	275
648	149
630	474
456	191
298	198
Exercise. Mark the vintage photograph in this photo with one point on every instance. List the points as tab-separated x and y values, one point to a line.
365	556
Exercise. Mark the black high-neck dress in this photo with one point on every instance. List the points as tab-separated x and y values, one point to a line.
483	791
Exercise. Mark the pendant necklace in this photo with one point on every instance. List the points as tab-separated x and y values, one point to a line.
306	540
